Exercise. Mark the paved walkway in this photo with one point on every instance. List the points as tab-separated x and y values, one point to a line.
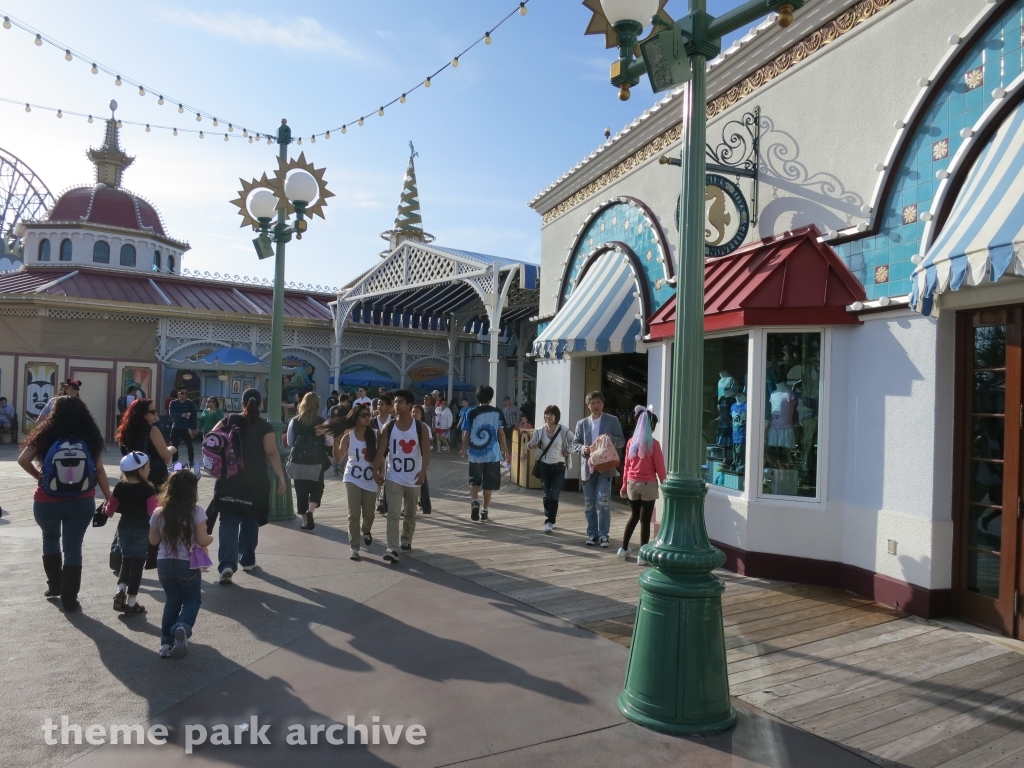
493	635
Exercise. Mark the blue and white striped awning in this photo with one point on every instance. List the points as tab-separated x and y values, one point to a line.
601	315
983	238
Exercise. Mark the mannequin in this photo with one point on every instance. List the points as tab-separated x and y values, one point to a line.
782	405
725	383
738	412
726	399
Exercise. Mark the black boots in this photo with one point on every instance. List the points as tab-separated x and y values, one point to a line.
70	583
52	564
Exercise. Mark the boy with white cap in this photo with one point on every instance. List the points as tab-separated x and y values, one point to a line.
135	499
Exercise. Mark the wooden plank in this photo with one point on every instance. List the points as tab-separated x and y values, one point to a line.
980	747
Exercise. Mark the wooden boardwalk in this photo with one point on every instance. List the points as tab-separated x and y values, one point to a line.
898	690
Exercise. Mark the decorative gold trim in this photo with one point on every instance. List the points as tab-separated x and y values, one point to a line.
814	42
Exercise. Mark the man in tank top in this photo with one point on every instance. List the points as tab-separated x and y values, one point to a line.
404	451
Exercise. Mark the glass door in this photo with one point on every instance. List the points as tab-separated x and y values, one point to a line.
987	493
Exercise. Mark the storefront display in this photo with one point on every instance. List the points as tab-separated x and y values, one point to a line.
792	392
724	417
624	385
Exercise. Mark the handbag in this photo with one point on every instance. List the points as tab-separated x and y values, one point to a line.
198	558
536	466
603	455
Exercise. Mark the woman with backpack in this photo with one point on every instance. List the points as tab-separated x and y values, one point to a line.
241	496
308	458
64	454
355	440
139	431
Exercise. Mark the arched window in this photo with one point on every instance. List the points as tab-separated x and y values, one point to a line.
44	250
157	262
127	255
101	252
65	250
170	263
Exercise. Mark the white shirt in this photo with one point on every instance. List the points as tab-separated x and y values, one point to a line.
359	469
361	400
595	426
405	455
442	418
556	453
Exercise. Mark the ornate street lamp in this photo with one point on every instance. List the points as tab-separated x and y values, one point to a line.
677	680
297	189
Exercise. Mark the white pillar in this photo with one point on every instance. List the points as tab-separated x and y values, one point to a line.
451	355
520	364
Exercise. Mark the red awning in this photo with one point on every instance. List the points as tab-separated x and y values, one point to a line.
789	279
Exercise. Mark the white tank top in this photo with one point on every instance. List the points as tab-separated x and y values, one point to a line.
405	459
359	470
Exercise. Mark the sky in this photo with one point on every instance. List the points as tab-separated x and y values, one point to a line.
490	134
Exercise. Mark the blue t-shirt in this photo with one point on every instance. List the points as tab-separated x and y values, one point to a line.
482	423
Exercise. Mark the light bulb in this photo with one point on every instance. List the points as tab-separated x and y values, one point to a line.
147	127
7	23
90	118
39	39
142	91
225	137
59	113
301	185
455	61
426	83
28	108
522	9
201	136
118	123
299	142
199	118
380	112
67	54
327	135
181	108
360	121
344	129
215	123
312	139
245	132
269	141
250	139
487	39
174	132
231	128
118	80
95	70
262	203
160	101
402	99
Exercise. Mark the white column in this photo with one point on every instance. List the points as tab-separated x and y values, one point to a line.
451	355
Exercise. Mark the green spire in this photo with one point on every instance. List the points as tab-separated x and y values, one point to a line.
408	222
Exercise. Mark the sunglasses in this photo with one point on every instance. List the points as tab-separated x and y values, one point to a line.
153	412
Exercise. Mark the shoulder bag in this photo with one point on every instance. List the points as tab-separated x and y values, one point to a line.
536	466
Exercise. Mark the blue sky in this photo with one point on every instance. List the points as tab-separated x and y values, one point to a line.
492	133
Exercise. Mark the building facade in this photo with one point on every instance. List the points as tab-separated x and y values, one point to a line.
861	308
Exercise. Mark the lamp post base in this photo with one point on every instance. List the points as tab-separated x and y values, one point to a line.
280	506
677	681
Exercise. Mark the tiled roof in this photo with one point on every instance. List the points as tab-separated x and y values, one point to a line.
108	206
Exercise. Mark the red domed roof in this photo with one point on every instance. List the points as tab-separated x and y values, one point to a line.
109	206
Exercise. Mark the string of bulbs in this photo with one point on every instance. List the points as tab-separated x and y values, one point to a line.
70	54
95	67
252	137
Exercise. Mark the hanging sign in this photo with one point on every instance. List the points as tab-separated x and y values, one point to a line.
726	216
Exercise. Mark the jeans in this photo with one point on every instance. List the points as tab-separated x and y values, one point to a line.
239	535
183	590
597	490
133	542
177	435
64	524
552	477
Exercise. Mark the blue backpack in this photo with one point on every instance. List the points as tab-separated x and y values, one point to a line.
68	469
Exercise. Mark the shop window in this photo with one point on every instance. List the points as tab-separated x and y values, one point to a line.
65	250
101	252
127	255
724	417
157	262
44	250
792	392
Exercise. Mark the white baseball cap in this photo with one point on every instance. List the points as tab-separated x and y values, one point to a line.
133	461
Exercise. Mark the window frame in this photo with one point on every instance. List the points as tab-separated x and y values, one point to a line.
135	255
96	244
158	261
71	250
749	333
39	250
170	263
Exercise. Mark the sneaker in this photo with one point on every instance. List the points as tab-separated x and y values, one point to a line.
119	601
623	553
165	651
391	556
640	560
591	541
249	568
367	539
407	547
604	541
354	555
484	515
134	610
180	647
549	528
474	510
226	576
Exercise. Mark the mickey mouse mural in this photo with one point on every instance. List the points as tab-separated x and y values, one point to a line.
40	380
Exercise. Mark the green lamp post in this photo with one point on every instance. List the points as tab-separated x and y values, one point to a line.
297	188
676	680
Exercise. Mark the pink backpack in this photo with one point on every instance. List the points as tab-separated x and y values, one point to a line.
222	451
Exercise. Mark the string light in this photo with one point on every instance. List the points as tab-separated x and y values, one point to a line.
327	135
181	108
522	9
142	91
426	83
7	23
312	139
380	112
67	55
59	113
268	141
225	137
344	129
147	127
174	132
244	133
487	38
215	123
199	118
360	121
28	108
90	118
95	70
201	136
250	139
299	141
118	80
118	123
455	61
402	99
39	39
160	101
231	128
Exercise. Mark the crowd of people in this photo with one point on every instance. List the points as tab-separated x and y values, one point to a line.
381	447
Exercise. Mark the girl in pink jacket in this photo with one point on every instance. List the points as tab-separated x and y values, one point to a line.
644	467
